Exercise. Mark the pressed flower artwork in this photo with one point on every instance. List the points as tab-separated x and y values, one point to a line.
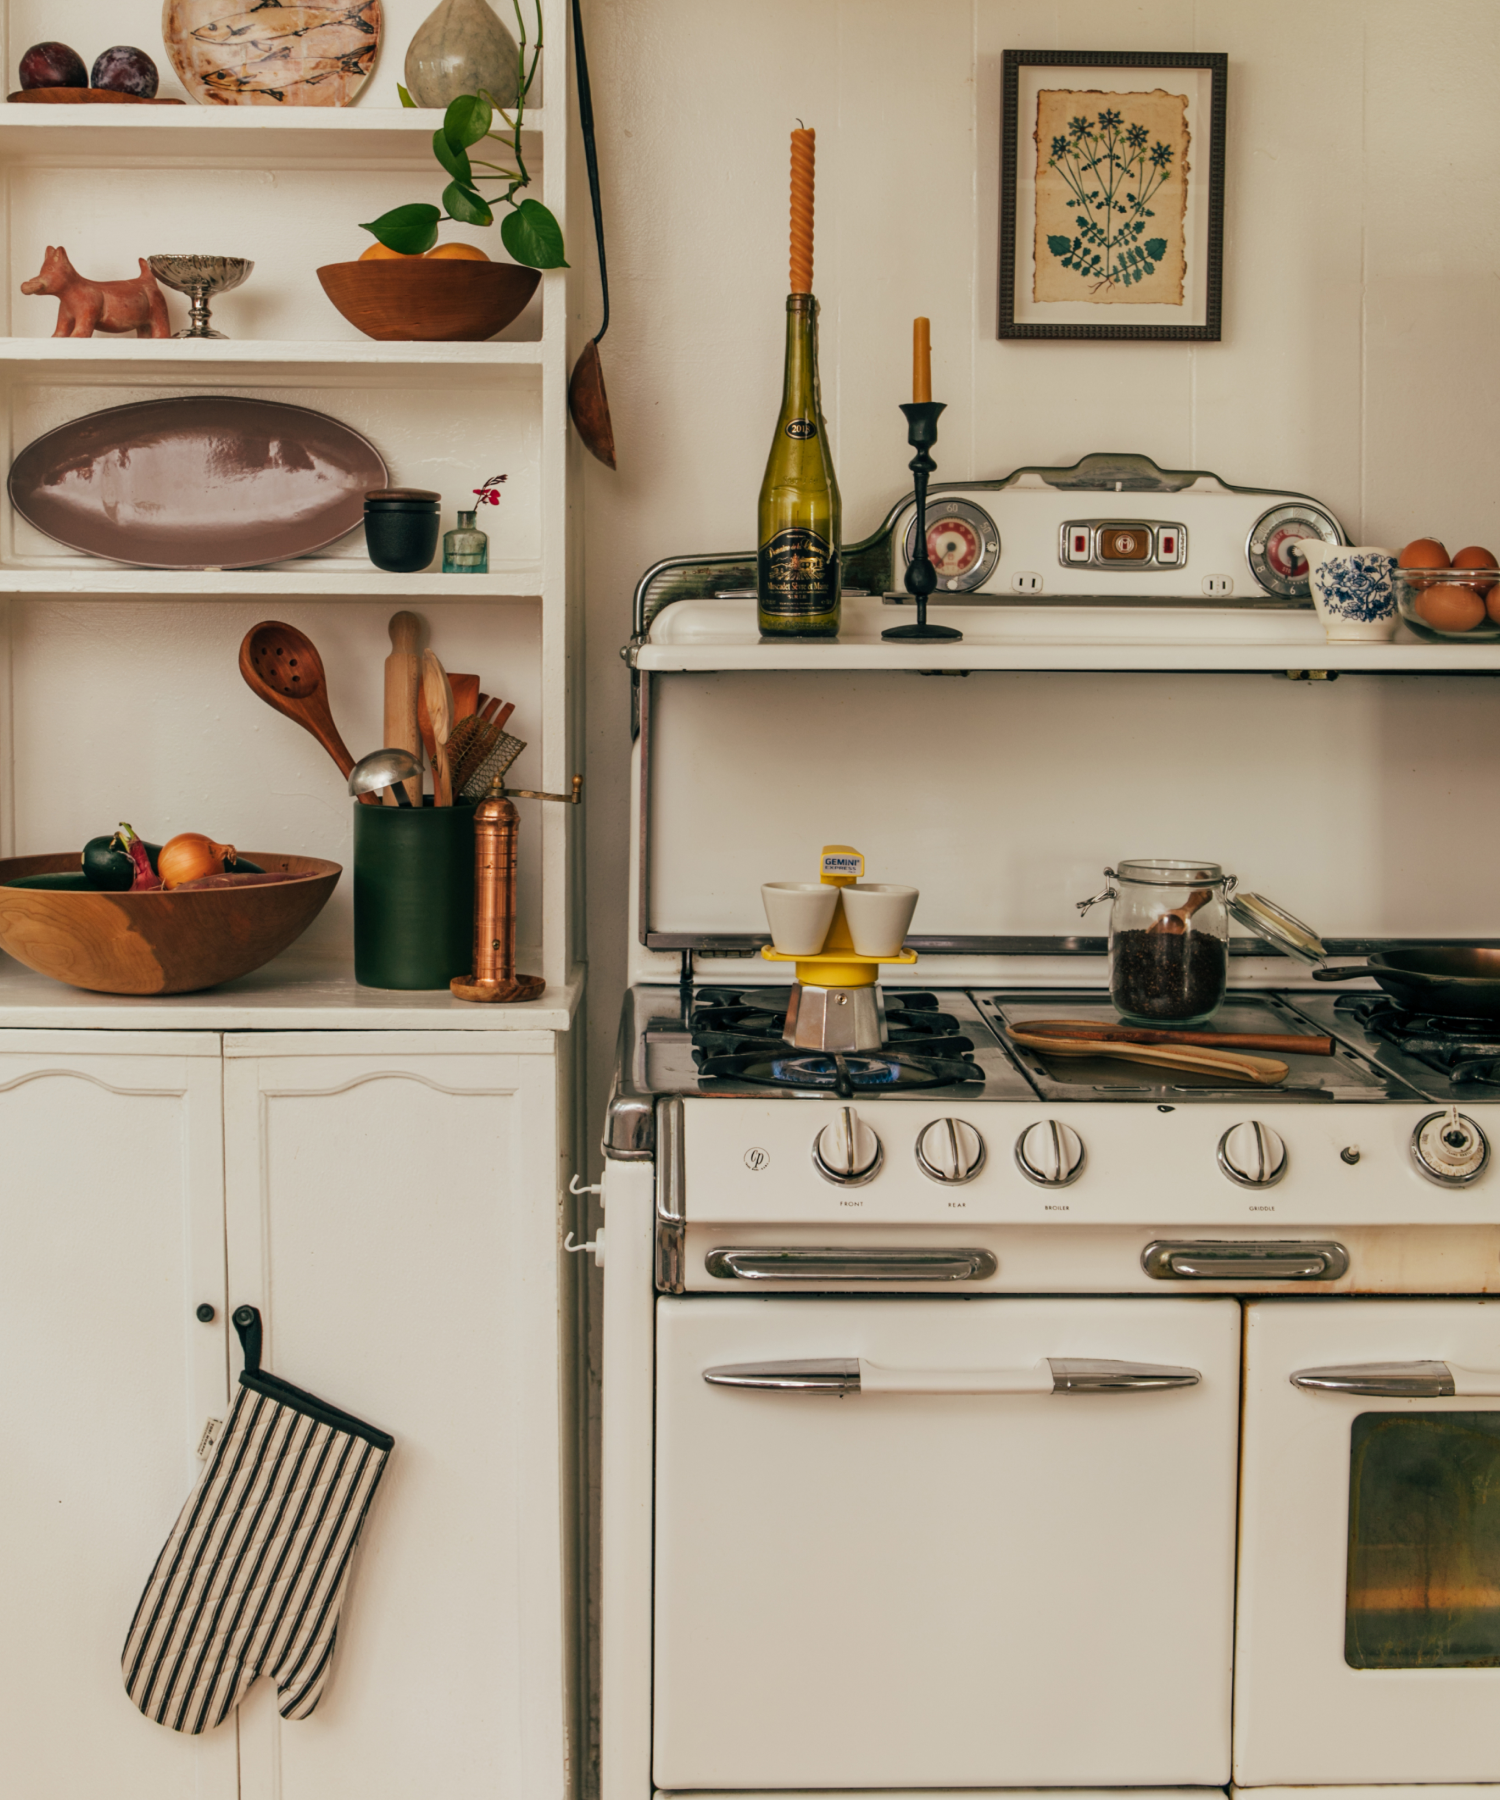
1112	173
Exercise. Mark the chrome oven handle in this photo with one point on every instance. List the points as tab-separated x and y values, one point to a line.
1227	1259
1400	1380
877	1263
853	1375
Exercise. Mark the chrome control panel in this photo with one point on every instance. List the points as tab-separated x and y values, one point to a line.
1122	544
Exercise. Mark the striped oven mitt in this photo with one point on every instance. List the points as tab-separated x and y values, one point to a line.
252	1578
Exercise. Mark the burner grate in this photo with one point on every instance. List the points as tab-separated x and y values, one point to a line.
1467	1051
846	1074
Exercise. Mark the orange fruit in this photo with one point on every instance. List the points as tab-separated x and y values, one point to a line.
459	252
378	253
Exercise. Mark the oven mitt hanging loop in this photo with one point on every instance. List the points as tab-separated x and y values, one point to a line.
252	1578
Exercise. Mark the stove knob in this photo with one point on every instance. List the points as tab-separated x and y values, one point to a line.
1050	1154
847	1152
1449	1148
1252	1155
950	1151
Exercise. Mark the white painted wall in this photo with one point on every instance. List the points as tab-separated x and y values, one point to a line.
1362	285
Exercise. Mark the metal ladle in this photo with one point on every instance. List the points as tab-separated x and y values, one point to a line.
389	768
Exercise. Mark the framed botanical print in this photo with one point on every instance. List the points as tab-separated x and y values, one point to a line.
1112	194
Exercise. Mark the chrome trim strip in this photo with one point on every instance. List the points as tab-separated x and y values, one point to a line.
1228	1259
819	1375
671	1205
841	1375
1099	1375
879	1263
1397	1380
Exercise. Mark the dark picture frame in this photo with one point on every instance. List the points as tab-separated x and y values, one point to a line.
1198	241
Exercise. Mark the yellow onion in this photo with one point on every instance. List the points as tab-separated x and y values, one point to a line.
190	856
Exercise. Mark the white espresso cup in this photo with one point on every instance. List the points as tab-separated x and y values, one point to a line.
879	913
799	914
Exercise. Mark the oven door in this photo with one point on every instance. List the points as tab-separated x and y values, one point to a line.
1369	1609
919	1543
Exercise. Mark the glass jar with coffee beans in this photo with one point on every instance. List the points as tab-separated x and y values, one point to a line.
1168	939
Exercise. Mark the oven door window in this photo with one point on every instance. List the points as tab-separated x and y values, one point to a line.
1424	1541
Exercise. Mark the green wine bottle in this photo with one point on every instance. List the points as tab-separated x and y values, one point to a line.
800	567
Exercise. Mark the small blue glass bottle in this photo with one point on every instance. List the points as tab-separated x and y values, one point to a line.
466	550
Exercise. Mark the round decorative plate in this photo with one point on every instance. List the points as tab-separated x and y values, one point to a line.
232	53
206	481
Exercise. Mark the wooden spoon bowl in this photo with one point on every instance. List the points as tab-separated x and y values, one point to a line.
157	942
282	665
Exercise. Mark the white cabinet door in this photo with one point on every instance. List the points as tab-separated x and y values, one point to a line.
111	1235
393	1211
1369	1615
908	1588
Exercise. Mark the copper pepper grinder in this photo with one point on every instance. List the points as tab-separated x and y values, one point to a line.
496	826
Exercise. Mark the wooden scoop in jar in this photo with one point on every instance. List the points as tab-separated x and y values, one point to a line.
1174	923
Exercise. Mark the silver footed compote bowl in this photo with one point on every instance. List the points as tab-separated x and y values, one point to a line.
198	277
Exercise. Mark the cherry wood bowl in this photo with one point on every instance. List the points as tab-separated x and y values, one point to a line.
437	300
157	943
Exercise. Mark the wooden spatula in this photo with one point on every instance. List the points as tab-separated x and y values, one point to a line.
440	711
465	692
1265	1071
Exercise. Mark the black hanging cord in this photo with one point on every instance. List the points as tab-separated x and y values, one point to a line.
246	1322
590	154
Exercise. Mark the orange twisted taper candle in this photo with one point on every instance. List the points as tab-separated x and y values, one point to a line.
803	149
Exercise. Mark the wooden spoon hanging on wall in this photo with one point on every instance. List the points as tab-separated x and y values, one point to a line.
587	400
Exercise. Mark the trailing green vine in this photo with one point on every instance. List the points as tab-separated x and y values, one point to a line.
529	232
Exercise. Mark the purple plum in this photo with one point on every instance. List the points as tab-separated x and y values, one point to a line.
53	65
126	70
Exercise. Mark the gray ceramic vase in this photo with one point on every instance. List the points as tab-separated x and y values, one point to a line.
461	47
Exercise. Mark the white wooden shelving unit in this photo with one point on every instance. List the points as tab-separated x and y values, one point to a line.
383	1174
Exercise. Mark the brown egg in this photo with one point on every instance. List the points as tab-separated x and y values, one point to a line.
1448	608
1475	556
1492	604
1423	553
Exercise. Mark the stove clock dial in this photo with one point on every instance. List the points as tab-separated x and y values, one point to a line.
1275	564
962	542
950	1151
1050	1154
1449	1148
1252	1155
847	1152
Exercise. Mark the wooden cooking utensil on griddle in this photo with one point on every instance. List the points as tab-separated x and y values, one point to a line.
1264	1071
282	665
1284	1043
587	400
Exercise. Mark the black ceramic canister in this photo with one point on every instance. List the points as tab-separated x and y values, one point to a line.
413	894
401	528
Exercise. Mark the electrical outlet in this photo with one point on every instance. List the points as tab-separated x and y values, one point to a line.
1218	584
1026	584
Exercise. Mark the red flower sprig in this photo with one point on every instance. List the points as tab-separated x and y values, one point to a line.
490	492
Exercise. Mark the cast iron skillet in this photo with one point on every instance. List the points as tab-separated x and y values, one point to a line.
1460	982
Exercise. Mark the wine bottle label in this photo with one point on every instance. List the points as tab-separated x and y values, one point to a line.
799	574
802	428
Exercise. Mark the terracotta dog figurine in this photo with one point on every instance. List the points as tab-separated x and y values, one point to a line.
88	306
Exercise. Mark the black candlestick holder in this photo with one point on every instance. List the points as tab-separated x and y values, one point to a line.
921	577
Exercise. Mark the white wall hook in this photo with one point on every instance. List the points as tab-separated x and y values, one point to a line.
574	1188
595	1246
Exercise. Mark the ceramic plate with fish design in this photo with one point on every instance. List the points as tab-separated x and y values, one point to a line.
207	481
276	53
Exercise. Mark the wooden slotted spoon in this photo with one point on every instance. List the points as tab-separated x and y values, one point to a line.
282	666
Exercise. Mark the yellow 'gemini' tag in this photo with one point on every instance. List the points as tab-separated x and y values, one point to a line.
840	864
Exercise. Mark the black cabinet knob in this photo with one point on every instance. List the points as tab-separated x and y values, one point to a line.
206	1313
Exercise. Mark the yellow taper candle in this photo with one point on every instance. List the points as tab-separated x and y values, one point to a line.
921	359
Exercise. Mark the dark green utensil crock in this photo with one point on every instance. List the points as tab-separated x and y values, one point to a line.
413	894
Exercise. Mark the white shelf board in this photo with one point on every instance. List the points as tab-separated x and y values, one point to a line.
296	992
320	581
721	634
48	133
106	355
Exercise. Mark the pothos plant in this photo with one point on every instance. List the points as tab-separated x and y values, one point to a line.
1110	173
529	232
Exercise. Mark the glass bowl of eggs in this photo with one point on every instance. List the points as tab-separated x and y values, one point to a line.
1444	598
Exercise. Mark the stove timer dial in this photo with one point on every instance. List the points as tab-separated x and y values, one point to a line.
1449	1148
847	1152
1050	1154
950	1151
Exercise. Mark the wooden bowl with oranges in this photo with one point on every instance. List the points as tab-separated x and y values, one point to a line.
1448	598
453	294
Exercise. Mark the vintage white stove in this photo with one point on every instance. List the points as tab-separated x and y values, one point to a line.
979	1420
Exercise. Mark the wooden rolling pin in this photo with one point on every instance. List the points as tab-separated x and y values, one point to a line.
1228	1065
1284	1044
403	675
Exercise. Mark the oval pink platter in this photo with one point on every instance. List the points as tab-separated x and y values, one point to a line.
204	481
